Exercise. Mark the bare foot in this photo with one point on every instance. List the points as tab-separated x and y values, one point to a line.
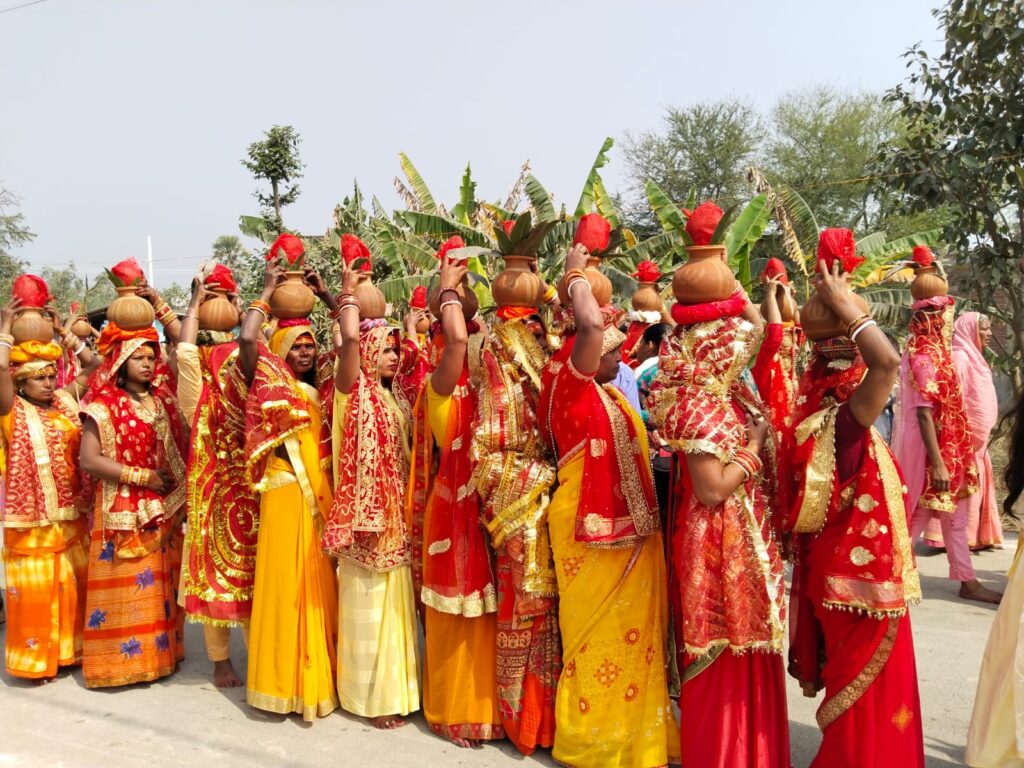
224	675
387	722
466	743
45	680
973	590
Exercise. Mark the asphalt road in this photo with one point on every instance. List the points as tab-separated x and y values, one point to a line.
185	721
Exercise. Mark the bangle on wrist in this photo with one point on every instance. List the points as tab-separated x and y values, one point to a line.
443	291
450	303
576	281
861	327
856	323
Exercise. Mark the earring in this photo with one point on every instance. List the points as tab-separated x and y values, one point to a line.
120	381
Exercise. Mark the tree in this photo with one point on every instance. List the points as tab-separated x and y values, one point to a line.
706	147
176	296
13	234
229	251
276	160
964	148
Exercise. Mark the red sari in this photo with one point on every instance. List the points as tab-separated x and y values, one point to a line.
727	582
514	475
855	575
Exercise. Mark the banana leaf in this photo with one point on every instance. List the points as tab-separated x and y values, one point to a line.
805	225
466	207
744	234
668	214
657	248
870	243
438	227
399	289
540	199
419	187
594	193
532	242
902	247
622	284
416	254
258	227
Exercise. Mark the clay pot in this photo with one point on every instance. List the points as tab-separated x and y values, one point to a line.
517	285
81	328
32	324
129	311
787	307
705	276
599	284
218	313
372	305
928	283
467	297
646	298
820	323
292	299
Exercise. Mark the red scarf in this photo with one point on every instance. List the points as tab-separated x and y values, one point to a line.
367	523
617	503
933	374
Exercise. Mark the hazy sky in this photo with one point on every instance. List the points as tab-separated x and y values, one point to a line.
127	118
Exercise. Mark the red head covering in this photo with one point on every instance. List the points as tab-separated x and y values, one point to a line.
594	232
353	248
221	279
33	291
288	246
450	244
702	222
775	270
838	243
923	256
647	272
128	272
419	297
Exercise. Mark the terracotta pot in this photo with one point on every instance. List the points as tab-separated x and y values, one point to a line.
517	285
130	311
467	297
81	328
599	284
218	313
292	299
372	305
646	298
32	324
704	277
819	322
928	282
787	307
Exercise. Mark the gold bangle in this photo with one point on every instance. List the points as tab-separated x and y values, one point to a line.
573	273
856	322
260	305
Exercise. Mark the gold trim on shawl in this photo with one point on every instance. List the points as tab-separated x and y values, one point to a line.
820	471
893	488
832	708
469	606
701	663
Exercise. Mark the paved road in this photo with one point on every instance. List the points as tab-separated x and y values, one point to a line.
185	721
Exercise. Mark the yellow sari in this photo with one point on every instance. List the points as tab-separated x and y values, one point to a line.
612	707
294	619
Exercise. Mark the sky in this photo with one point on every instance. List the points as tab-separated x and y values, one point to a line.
126	118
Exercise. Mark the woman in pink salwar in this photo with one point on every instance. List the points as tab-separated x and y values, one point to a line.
971	333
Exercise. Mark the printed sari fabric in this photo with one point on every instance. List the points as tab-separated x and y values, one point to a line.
293	631
727	576
133	630
45	538
514	473
855	576
378	654
612	706
222	507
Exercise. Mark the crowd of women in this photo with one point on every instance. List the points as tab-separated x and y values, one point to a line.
586	514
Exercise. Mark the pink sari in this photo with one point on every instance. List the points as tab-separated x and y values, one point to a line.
984	527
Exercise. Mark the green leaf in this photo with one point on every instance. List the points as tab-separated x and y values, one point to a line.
691	199
539	199
416	254
504	244
622	284
744	233
520	229
419	187
441	228
723	224
903	246
593	188
658	248
804	223
258	227
467	199
398	289
532	242
668	214
870	243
